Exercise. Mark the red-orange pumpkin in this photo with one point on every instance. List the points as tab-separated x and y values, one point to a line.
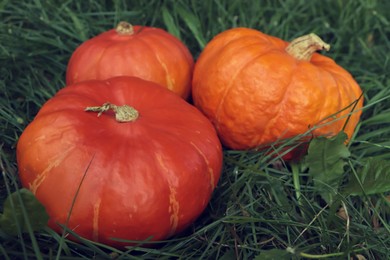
146	52
149	176
257	89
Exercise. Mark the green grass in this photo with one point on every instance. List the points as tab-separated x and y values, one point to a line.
254	211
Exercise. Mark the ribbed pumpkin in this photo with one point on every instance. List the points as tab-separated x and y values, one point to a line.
257	89
142	166
146	52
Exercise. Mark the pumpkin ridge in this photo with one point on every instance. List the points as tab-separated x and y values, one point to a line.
231	81
217	53
324	117
296	70
102	55
255	43
40	178
280	110
98	60
209	168
257	58
343	109
176	41
344	92
95	219
257	36
174	206
170	81
71	112
162	64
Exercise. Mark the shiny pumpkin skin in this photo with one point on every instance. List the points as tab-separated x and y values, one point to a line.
149	53
148	178
255	93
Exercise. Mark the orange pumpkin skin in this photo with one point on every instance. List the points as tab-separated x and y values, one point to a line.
148	178
146	52
256	93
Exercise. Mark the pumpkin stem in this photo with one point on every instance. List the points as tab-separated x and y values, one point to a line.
124	28
123	113
302	48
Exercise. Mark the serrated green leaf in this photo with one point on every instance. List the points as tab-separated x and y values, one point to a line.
372	178
325	161
16	205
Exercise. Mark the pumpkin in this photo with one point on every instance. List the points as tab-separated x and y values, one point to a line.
120	158
258	89
146	52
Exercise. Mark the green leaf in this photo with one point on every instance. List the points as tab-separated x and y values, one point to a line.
325	161
372	178
22	213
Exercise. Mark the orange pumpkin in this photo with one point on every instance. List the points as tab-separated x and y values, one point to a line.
145	52
257	89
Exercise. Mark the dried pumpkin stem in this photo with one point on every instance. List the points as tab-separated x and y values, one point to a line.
302	48
124	28
123	113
